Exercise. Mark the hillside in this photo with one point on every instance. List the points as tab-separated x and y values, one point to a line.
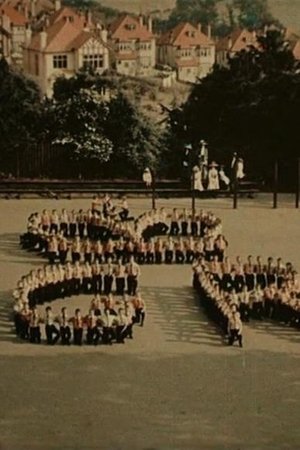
287	11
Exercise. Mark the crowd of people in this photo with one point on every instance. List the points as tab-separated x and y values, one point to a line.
211	176
154	237
108	320
100	252
116	306
236	292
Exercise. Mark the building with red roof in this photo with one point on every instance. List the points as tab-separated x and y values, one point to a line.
227	47
132	45
62	48
12	34
187	50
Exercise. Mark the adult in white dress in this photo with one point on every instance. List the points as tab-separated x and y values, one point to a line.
213	177
197	179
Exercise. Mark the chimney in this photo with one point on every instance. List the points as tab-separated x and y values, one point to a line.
28	35
33	8
43	39
57	5
150	24
88	17
141	20
26	14
209	31
103	34
199	26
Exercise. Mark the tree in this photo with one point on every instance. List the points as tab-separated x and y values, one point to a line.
136	141
110	135
252	14
250	107
194	11
19	111
75	126
85	78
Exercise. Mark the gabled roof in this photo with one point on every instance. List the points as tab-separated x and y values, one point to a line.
62	36
238	40
15	17
40	5
75	17
127	28
80	40
185	35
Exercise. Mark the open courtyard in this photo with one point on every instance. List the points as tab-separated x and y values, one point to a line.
176	385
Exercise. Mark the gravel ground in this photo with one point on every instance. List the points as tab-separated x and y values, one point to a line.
176	385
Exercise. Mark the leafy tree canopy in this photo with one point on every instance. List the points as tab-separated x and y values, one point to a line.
110	129
19	110
250	107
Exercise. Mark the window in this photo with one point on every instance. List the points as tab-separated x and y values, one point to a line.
94	61
130	26
185	53
60	61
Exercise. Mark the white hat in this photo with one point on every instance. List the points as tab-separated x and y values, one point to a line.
213	164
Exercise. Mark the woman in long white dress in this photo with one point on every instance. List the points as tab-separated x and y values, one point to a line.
224	178
213	178
197	179
240	174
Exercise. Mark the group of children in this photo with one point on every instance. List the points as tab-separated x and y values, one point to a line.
154	237
108	320
232	293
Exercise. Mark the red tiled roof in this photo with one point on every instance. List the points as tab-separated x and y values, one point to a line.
62	36
78	20
15	17
237	41
80	40
41	5
127	28
185	35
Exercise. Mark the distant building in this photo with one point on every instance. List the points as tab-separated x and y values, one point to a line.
236	41
132	46
32	9
188	50
12	34
61	49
